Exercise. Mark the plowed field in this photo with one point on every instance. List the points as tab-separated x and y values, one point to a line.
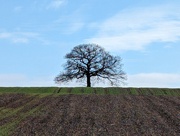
83	115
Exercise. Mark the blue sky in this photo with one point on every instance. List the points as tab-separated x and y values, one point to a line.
36	34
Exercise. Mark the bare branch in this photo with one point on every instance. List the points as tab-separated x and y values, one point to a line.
91	60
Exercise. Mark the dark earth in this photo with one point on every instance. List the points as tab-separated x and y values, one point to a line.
92	115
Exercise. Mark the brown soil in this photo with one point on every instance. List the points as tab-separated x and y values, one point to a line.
102	115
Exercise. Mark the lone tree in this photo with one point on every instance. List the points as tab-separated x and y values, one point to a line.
91	61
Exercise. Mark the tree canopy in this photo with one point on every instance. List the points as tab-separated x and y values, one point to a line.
90	61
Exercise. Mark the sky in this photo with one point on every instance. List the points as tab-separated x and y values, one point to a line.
35	35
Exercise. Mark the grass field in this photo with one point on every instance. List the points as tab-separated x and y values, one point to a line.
86	90
94	111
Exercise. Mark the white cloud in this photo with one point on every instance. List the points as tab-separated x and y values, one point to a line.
163	80
159	80
137	28
55	4
154	80
11	80
4	35
18	37
20	40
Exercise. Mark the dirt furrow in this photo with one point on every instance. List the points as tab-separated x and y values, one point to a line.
88	115
164	114
6	99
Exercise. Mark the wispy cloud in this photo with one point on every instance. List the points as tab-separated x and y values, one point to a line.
137	28
11	80
18	37
74	27
55	4
20	40
154	80
4	35
164	80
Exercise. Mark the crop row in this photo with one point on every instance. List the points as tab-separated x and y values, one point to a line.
89	114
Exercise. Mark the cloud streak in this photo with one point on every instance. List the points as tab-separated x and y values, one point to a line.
137	28
18	37
11	80
55	4
163	80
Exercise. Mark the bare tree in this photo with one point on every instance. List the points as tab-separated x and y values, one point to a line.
92	61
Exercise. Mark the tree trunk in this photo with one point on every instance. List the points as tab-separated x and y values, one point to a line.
88	81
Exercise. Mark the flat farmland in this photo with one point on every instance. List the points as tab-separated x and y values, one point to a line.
93	90
87	111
